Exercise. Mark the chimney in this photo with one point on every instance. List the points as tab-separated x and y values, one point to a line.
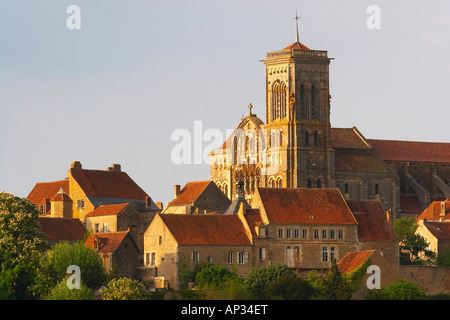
177	189
114	167
76	165
148	202
159	204
442	213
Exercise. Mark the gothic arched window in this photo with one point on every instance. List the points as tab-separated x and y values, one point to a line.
306	138
316	138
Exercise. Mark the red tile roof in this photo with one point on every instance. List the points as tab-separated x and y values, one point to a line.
111	184
410	205
441	230
346	161
433	211
348	138
106	210
353	260
46	190
391	150
61	196
254	219
190	192
218	229
372	220
297	45
109	241
62	229
305	206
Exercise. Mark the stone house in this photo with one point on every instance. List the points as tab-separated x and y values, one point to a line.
118	252
88	189
198	197
120	217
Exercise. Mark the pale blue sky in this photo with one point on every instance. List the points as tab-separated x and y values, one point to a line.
114	91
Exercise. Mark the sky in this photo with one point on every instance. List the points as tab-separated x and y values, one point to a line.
135	72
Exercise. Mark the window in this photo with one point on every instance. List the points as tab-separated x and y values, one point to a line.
80	204
316	234
280	233
262	254
96	227
280	183
195	256
324	234
296	233
324	254
95	245
230	257
42	209
288	233
262	232
316	138
340	234
331	234
319	183
242	257
305	233
346	188
332	253
160	240
105	227
150	258
309	183
306	139
377	189
209	259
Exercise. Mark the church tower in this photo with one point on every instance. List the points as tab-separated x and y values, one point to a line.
298	116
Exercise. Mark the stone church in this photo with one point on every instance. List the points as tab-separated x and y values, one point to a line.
296	147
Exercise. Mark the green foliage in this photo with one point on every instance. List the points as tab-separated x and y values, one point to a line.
398	290
124	289
53	266
186	275
22	243
289	287
443	259
417	247
404	227
258	279
62	292
213	277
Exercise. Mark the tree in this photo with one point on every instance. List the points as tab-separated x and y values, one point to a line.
443	259
417	247
123	289
398	290
335	286
53	267
62	292
289	287
22	243
404	227
258	279
214	276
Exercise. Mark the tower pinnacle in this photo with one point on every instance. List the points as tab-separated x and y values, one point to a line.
296	18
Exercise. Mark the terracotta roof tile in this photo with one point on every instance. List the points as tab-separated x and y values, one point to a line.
433	211
353	260
441	230
372	220
348	138
109	241
392	150
112	184
61	196
346	161
297	45
190	192
305	206
219	229
410	205
105	210
62	229
46	190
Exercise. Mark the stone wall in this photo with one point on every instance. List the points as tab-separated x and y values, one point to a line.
432	279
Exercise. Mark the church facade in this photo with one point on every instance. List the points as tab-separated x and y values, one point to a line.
296	147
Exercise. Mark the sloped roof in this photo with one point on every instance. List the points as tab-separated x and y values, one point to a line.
394	150
61	196
105	210
297	45
46	190
62	229
410	205
219	229
434	210
190	192
353	260
112	184
372	220
305	206
346	161
348	138
441	230
109	241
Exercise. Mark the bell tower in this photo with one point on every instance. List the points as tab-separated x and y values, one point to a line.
298	105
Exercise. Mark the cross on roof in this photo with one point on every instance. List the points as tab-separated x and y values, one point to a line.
296	18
